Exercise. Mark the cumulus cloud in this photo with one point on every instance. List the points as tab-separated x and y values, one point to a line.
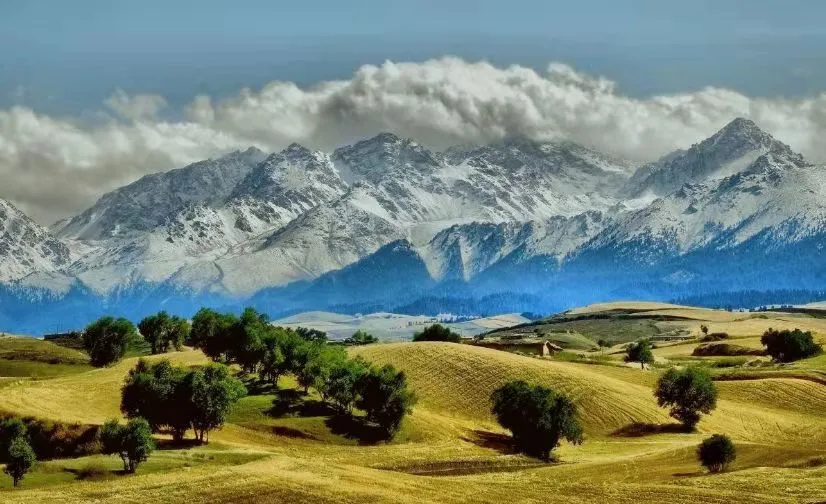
52	167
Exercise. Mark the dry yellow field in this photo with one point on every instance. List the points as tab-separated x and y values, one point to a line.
452	451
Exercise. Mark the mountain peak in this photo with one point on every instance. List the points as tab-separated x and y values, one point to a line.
742	130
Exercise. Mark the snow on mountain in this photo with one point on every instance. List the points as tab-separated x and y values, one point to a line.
26	247
729	151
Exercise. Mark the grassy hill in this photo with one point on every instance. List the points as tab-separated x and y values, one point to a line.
450	449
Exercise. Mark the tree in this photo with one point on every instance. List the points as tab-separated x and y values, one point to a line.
688	392
341	386
704	329
105	340
245	344
154	330
19	459
716	453
788	346
132	442
385	398
10	429
361	338
161	394
178	333
313	335
328	359
272	361
437	332
640	351
307	364
214	393
211	332
538	417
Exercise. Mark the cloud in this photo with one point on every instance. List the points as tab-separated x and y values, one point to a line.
52	167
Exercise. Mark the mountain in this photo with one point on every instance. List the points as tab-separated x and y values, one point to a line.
26	247
386	223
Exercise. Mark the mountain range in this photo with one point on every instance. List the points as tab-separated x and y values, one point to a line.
387	224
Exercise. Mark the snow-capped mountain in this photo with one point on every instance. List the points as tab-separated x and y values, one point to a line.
298	228
26	247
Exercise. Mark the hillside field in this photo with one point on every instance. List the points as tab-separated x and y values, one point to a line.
451	449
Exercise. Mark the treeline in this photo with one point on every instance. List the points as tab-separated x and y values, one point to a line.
752	299
270	352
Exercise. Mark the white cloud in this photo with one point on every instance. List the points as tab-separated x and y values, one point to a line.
55	166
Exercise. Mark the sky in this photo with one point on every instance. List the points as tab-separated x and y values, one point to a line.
103	92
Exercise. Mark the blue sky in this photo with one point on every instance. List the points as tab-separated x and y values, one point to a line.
65	57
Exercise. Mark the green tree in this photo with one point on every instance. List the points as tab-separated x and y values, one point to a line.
19	459
688	392
341	386
132	442
716	453
312	335
328	359
361	338
640	351
788	346
246	340
10	429
384	396
211	332
161	394
214	393
154	330
106	339
307	364
179	329
437	332
271	366
538	417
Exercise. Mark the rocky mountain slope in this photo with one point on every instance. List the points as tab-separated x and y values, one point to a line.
303	229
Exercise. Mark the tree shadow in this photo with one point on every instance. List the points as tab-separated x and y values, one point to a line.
692	474
492	440
171	444
641	429
291	402
281	430
358	428
257	386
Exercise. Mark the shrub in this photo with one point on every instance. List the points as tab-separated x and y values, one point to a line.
537	416
640	351
717	336
716	453
385	398
723	350
106	339
19	459
437	332
788	346
688	392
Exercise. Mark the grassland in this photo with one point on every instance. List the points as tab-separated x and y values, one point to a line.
450	449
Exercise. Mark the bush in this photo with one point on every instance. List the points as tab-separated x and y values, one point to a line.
537	417
50	440
385	397
723	350
437	332
640	351
788	346
688	392
717	336
106	339
716	453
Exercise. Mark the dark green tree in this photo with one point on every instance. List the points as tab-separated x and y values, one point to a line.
214	393
716	453
132	442
106	339
19	459
437	332
246	340
361	338
384	396
211	332
538	417
788	346
271	366
161	394
10	429
688	393
639	351
307	364
313	335
341	386
155	330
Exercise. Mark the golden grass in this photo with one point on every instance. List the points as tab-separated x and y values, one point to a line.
777	423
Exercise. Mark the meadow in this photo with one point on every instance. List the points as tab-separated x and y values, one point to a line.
451	449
